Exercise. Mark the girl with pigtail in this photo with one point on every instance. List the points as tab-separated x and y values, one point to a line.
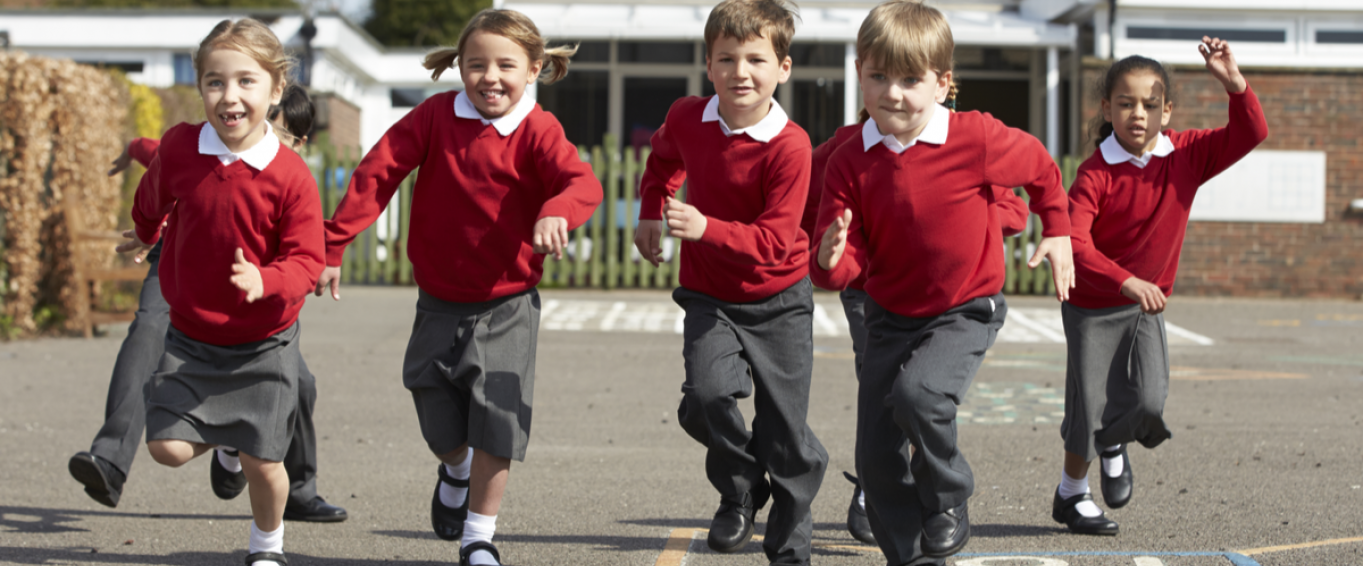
500	187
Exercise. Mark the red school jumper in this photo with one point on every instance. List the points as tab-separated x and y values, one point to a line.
476	201
751	193
273	215
1130	221
923	230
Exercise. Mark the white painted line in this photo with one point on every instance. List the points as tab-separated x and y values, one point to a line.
608	321
822	320
679	325
1034	326
1148	561
1185	333
548	309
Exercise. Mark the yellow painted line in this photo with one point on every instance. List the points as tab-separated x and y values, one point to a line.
1285	547
1218	374
677	544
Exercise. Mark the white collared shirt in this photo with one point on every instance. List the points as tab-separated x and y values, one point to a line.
258	156
505	125
764	130
1114	153
934	133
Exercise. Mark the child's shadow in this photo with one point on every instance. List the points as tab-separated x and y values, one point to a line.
85	555
46	521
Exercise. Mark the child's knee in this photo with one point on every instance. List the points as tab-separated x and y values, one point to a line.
173	453
455	457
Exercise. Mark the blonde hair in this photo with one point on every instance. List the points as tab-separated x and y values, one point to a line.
906	38
746	20
512	25
251	38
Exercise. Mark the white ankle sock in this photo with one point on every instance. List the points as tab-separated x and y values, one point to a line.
451	496
479	528
1112	467
262	541
232	462
1070	487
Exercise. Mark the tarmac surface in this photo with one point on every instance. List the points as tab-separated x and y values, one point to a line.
1265	467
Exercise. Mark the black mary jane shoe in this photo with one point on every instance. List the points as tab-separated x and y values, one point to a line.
448	522
226	485
467	551
103	482
858	524
262	556
946	533
733	525
315	511
1116	491
1064	511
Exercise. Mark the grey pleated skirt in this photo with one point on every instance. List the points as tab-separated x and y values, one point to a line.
242	396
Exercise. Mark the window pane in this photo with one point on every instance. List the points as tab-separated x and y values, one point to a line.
581	103
1339	36
407	97
588	51
657	52
647	101
184	69
817	107
1195	34
1007	100
992	59
817	54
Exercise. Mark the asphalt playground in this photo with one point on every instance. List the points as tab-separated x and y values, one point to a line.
1265	467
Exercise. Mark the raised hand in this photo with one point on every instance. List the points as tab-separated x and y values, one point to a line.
330	277
1221	63
1149	295
684	221
648	239
246	276
1057	250
122	162
834	241
134	244
551	236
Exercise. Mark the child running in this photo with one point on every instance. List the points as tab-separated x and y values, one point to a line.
744	284
104	469
500	186
907	202
243	246
1129	211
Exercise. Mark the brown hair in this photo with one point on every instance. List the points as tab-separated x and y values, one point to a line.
906	38
746	20
512	25
251	38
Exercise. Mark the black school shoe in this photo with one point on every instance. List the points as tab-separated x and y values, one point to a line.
262	556
1063	511
733	524
1116	491
448	522
466	551
946	533
315	511
103	482
858	524
226	485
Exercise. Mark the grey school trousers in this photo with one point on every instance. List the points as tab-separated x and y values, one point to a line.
854	307
915	372
125	411
763	349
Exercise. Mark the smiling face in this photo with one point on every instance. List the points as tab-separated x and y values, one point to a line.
237	94
901	105
745	74
1138	110
495	71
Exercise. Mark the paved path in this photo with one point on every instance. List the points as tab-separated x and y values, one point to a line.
1266	465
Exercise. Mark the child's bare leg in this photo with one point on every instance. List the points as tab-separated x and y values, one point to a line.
269	485
175	453
1076	466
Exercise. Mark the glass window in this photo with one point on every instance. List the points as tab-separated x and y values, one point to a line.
657	52
817	54
1195	34
1323	36
1007	100
647	101
184	68
125	66
817	107
581	103
407	97
590	51
992	59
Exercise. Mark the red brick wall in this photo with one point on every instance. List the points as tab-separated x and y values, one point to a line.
1321	111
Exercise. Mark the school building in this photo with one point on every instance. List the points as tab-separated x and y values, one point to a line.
1279	224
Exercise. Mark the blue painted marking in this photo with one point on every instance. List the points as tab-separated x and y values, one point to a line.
1236	559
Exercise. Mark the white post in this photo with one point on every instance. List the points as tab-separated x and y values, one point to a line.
1053	101
1102	32
849	85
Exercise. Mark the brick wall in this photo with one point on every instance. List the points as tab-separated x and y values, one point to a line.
342	123
1306	110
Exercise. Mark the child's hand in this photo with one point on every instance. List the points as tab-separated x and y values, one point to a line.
1221	63
684	221
1148	294
834	241
331	276
551	236
648	238
246	276
1057	250
122	162
134	244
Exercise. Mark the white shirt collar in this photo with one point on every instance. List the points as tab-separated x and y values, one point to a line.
764	131
934	133
1114	153
505	125
258	156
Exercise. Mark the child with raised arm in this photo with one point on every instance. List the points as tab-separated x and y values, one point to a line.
908	203
744	285
243	246
500	186
1129	210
